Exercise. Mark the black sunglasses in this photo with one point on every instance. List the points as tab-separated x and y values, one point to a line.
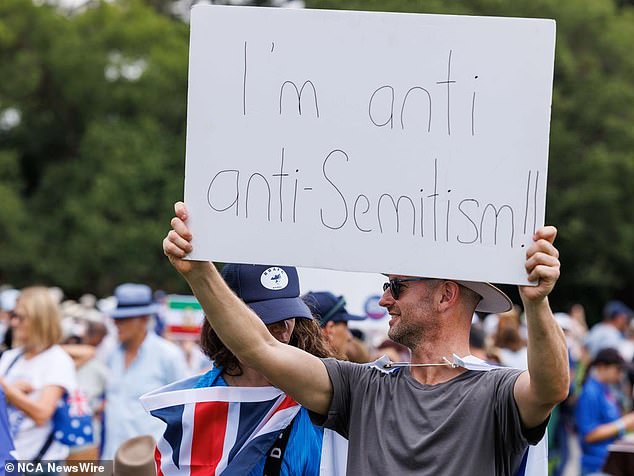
394	285
18	317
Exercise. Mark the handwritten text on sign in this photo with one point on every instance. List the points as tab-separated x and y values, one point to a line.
401	143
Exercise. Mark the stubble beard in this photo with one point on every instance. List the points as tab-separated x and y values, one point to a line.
416	330
405	334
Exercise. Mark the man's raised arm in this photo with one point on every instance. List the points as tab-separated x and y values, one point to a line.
546	382
300	374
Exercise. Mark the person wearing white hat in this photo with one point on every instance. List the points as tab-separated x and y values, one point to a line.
434	416
142	362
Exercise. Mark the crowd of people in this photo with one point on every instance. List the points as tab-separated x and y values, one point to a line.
598	409
116	349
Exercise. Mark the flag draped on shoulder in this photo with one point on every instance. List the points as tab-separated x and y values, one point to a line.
216	430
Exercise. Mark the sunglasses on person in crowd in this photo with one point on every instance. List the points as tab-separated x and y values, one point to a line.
18	317
394	285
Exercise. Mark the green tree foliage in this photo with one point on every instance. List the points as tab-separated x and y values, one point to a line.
94	160
89	174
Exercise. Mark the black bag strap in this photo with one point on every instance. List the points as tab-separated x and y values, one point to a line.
44	449
17	357
273	465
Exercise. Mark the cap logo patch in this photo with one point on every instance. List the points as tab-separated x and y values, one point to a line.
274	278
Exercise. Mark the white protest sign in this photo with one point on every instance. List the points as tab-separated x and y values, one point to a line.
381	142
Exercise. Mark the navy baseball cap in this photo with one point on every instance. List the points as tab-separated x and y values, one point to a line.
608	356
271	291
329	307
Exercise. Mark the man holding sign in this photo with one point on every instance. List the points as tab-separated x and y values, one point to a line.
434	417
394	141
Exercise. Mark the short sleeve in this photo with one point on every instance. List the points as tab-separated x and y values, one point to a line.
508	414
5	359
9	359
60	371
341	374
587	412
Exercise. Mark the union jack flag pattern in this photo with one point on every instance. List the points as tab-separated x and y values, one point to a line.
222	430
72	420
78	404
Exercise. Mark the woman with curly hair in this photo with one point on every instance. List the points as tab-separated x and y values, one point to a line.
272	292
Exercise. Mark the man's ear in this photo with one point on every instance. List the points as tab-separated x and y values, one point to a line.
449	293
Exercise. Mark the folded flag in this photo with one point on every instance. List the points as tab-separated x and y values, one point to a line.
216	430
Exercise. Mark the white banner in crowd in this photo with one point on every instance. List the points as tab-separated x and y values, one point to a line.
381	142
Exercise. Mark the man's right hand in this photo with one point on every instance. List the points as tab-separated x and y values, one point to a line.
177	244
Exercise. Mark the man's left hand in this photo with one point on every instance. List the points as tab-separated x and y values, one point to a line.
542	265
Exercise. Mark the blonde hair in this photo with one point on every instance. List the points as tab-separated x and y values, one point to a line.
43	315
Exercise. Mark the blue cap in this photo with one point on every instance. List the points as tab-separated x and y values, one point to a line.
614	308
133	300
329	307
271	291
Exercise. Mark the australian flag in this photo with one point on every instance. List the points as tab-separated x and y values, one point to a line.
220	430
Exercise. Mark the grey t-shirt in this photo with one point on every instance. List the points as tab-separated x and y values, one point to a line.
398	426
